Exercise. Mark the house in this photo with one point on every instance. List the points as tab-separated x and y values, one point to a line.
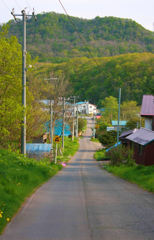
122	124
147	111
86	108
142	142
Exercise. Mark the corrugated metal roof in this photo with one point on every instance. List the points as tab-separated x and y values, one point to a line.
121	123
58	128
142	136
78	103
147	108
126	133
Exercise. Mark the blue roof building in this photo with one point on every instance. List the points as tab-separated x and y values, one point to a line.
58	128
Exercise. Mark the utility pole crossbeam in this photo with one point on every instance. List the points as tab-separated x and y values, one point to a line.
23	127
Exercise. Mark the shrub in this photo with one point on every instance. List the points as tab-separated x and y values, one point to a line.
108	138
121	155
82	124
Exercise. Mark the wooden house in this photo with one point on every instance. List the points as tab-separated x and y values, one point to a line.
142	142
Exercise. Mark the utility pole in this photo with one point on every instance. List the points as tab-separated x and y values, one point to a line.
63	124
77	122
51	123
23	127
73	127
53	79
118	115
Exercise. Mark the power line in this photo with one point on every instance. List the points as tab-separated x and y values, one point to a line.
17	3
28	4
80	36
6	5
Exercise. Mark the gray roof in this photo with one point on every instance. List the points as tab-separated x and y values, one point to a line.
142	136
126	133
147	108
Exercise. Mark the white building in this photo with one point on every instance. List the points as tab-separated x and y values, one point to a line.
86	108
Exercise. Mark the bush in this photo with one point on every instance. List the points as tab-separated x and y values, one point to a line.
108	138
82	124
121	155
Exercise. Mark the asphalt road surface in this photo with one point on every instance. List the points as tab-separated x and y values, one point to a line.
83	202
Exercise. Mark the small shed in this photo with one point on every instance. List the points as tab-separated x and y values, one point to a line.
142	141
38	150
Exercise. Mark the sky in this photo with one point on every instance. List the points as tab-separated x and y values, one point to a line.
142	11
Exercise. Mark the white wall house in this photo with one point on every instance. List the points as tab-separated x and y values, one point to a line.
86	108
147	111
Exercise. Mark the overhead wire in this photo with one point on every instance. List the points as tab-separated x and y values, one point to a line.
6	5
80	36
17	3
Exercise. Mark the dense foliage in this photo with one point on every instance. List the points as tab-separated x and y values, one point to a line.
121	155
53	37
11	110
134	73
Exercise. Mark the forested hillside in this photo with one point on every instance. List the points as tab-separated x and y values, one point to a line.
54	38
96	79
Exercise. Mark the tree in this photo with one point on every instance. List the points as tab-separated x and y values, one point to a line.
111	108
10	89
129	109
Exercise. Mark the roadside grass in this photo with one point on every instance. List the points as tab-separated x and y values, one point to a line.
100	155
70	148
94	140
141	175
20	177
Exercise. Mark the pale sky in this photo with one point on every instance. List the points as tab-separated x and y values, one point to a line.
142	11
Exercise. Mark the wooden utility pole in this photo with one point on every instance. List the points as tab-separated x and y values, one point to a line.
118	115
23	127
73	127
63	123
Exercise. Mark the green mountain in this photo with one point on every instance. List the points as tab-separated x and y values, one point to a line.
55	37
96	79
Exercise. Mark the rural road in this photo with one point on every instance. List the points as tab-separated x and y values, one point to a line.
83	202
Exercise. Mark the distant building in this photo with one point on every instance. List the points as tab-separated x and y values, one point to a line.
58	128
147	111
86	108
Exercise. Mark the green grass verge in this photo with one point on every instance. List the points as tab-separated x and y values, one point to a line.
94	140
20	176
143	176
100	155
70	148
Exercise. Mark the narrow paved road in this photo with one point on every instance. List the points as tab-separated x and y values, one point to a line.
83	202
